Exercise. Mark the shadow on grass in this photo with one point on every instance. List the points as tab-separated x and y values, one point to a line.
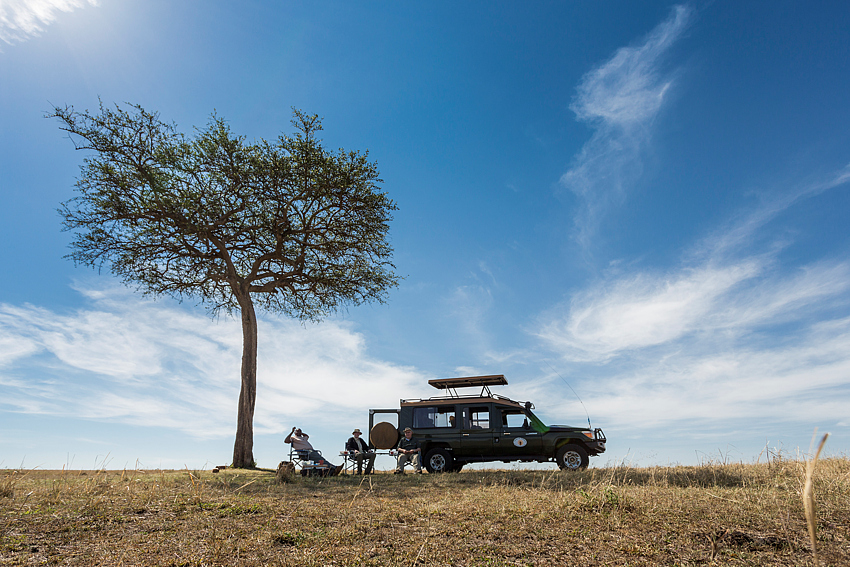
705	476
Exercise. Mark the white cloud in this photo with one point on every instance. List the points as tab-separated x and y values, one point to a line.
641	311
729	337
626	90
22	19
721	289
149	363
620	98
807	381
645	310
13	347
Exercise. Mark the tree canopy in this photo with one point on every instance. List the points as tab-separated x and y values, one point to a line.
288	226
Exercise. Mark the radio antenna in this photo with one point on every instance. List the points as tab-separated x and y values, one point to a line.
573	391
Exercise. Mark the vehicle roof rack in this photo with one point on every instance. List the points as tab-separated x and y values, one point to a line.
483	382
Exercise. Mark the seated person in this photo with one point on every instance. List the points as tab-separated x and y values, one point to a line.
408	451
298	440
360	451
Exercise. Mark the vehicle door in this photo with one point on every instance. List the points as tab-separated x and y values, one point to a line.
476	433
516	435
435	424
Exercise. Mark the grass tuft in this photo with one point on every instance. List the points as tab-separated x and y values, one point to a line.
7	486
809	498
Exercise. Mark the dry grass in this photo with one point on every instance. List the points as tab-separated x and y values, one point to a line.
709	515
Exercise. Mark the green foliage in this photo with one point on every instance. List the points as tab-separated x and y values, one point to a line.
212	217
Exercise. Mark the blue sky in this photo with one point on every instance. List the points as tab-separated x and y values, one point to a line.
647	199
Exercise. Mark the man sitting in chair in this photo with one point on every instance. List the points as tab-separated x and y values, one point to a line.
408	451
360	451
298	440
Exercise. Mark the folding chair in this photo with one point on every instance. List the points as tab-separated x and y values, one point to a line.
394	453
301	459
349	463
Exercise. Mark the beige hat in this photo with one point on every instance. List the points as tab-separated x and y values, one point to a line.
357	431
406	429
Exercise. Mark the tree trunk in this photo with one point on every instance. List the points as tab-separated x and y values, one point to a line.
243	449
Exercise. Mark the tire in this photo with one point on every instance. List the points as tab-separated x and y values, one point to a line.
438	461
572	458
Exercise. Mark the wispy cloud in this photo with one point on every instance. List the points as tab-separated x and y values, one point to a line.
729	333
642	310
22	19
806	381
722	286
148	363
738	233
645	309
620	98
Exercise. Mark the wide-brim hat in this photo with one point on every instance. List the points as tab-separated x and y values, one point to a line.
357	431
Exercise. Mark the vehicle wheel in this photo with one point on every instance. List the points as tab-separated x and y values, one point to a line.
438	460
572	458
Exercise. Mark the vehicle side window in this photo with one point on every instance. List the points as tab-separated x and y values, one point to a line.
513	418
478	418
431	417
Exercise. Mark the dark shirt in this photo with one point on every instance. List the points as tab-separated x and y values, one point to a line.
351	445
408	444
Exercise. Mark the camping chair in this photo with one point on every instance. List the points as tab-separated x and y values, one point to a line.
394	453
301	459
349	465
298	457
349	461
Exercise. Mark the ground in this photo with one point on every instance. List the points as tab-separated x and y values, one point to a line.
715	514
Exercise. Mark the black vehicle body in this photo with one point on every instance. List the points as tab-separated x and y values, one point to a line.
457	429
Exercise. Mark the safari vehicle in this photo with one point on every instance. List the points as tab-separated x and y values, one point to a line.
458	429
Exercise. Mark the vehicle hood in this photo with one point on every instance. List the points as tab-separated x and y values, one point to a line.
566	428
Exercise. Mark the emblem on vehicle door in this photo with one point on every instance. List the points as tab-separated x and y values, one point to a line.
520	442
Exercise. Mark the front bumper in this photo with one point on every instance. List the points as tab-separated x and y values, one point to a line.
598	443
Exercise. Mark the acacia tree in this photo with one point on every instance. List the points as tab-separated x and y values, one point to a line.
286	226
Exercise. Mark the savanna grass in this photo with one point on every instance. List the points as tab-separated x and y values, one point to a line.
715	514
